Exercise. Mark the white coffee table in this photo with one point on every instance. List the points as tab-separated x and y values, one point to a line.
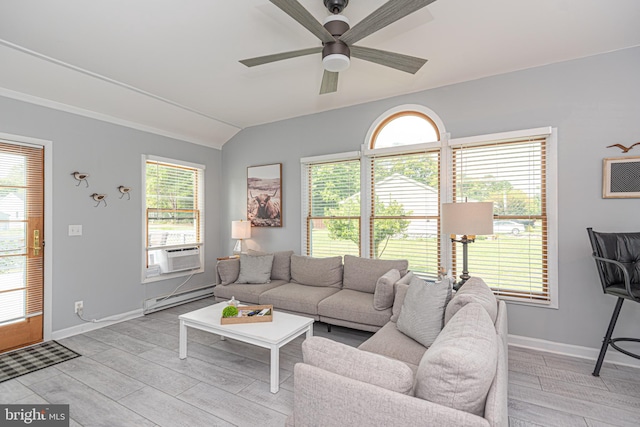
284	328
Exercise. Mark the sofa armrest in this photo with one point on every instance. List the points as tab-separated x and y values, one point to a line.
322	398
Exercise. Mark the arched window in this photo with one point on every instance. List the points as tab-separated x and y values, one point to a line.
406	127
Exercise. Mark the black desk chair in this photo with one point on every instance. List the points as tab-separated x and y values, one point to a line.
617	257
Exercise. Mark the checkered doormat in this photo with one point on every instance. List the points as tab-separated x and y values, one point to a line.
30	359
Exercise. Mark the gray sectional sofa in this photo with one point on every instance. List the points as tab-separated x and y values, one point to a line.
322	288
459	380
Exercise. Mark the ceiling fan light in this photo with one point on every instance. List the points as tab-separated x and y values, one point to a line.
336	62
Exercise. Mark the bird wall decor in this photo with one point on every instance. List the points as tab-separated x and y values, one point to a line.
99	198
125	190
81	176
623	148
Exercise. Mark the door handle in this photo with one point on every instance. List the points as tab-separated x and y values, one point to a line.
36	242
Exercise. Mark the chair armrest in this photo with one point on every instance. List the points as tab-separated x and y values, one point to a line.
322	398
625	273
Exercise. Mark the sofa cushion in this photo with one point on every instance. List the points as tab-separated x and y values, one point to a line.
384	293
422	315
356	364
473	290
390	342
245	293
255	269
400	289
297	298
353	306
228	270
361	274
316	271
459	367
281	269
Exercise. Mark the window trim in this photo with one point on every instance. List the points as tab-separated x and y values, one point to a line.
305	162
551	135
143	195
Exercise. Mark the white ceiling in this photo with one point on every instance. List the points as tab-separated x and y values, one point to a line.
171	66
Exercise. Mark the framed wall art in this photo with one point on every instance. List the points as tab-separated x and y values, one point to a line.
621	178
264	195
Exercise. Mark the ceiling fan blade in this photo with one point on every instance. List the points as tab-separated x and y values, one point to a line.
252	62
406	63
386	14
329	82
295	10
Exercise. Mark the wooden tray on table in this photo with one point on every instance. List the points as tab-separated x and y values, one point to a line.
244	318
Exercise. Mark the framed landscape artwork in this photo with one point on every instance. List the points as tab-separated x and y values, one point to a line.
264	195
621	178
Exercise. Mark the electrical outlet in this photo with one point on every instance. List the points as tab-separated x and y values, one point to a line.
79	306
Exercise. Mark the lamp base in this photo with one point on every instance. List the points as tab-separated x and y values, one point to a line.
237	249
465	272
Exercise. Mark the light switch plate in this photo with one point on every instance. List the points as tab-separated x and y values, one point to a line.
75	230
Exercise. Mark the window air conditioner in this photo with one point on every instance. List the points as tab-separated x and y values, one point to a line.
180	259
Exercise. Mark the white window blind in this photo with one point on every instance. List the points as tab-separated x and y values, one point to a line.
174	204
512	175
333	208
404	210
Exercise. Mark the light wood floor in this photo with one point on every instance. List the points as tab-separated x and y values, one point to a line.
130	375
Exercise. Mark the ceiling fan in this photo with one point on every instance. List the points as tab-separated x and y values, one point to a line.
338	38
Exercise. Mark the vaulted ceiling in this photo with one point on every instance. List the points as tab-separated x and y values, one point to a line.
172	67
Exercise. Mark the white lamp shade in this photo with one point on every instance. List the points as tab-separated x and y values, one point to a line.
469	219
240	229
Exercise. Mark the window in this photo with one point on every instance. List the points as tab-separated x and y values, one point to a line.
332	210
174	214
385	202
513	175
404	207
404	128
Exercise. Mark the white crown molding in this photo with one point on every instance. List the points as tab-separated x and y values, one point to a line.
8	93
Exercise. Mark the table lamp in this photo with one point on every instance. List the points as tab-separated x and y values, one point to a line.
468	220
240	230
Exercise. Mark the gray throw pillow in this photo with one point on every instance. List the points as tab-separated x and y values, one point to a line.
255	269
422	314
473	290
383	295
281	269
400	288
361	274
458	369
228	270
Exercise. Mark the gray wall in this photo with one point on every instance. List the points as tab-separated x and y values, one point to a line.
103	266
594	102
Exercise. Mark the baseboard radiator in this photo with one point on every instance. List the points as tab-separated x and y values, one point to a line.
162	302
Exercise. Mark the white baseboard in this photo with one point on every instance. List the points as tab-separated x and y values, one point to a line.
588	353
91	326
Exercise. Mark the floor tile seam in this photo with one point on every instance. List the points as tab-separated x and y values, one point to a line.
605	390
574	401
105	366
258	403
218	416
609	404
578	374
121	348
280	354
569	414
120	372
